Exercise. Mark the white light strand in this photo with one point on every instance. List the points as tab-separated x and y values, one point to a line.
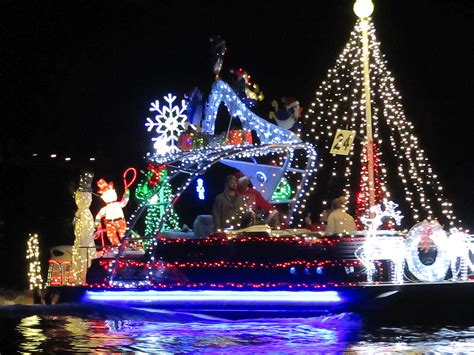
339	103
33	257
267	132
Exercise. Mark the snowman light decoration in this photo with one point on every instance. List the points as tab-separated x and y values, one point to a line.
83	250
112	213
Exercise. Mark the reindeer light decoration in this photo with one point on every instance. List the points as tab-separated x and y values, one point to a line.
382	247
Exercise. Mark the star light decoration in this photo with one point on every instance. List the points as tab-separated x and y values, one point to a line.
169	123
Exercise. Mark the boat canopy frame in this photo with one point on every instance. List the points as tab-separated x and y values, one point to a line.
195	163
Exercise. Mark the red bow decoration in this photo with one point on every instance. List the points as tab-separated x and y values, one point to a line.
156	173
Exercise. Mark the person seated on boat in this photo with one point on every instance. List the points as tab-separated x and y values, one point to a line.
228	205
255	203
203	226
317	227
340	221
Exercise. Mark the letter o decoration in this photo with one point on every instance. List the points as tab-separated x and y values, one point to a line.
437	271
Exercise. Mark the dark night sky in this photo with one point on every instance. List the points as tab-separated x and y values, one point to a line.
78	77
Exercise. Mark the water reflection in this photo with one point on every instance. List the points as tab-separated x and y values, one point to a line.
56	333
416	339
32	333
329	334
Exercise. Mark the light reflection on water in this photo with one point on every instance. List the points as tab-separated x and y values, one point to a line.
329	334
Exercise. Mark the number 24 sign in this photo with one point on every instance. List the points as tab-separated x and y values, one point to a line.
342	142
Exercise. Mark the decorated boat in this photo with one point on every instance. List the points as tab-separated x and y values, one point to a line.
154	259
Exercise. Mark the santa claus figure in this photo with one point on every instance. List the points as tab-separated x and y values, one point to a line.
112	213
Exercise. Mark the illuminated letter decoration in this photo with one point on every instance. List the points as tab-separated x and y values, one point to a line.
459	254
424	232
200	189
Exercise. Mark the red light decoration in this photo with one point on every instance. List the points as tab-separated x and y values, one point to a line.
130	182
362	197
111	213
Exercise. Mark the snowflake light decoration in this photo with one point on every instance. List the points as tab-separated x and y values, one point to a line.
169	123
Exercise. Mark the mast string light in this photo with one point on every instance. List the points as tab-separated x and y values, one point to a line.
339	103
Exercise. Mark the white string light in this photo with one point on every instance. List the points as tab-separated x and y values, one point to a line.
339	103
34	268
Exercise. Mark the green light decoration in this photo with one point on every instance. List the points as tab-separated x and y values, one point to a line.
156	189
282	191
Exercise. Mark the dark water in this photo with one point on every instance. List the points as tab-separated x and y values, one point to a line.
152	332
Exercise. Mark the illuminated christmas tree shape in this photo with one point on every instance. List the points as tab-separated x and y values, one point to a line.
340	103
169	123
282	191
156	190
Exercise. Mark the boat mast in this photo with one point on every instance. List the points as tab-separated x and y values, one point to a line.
363	9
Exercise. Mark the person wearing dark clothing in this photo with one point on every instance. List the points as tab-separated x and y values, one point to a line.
227	206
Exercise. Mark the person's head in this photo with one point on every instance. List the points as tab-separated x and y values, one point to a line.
231	183
243	180
338	203
323	216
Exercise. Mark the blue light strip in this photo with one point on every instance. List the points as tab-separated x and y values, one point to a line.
211	295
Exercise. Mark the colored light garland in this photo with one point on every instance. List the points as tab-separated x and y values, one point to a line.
198	286
233	264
